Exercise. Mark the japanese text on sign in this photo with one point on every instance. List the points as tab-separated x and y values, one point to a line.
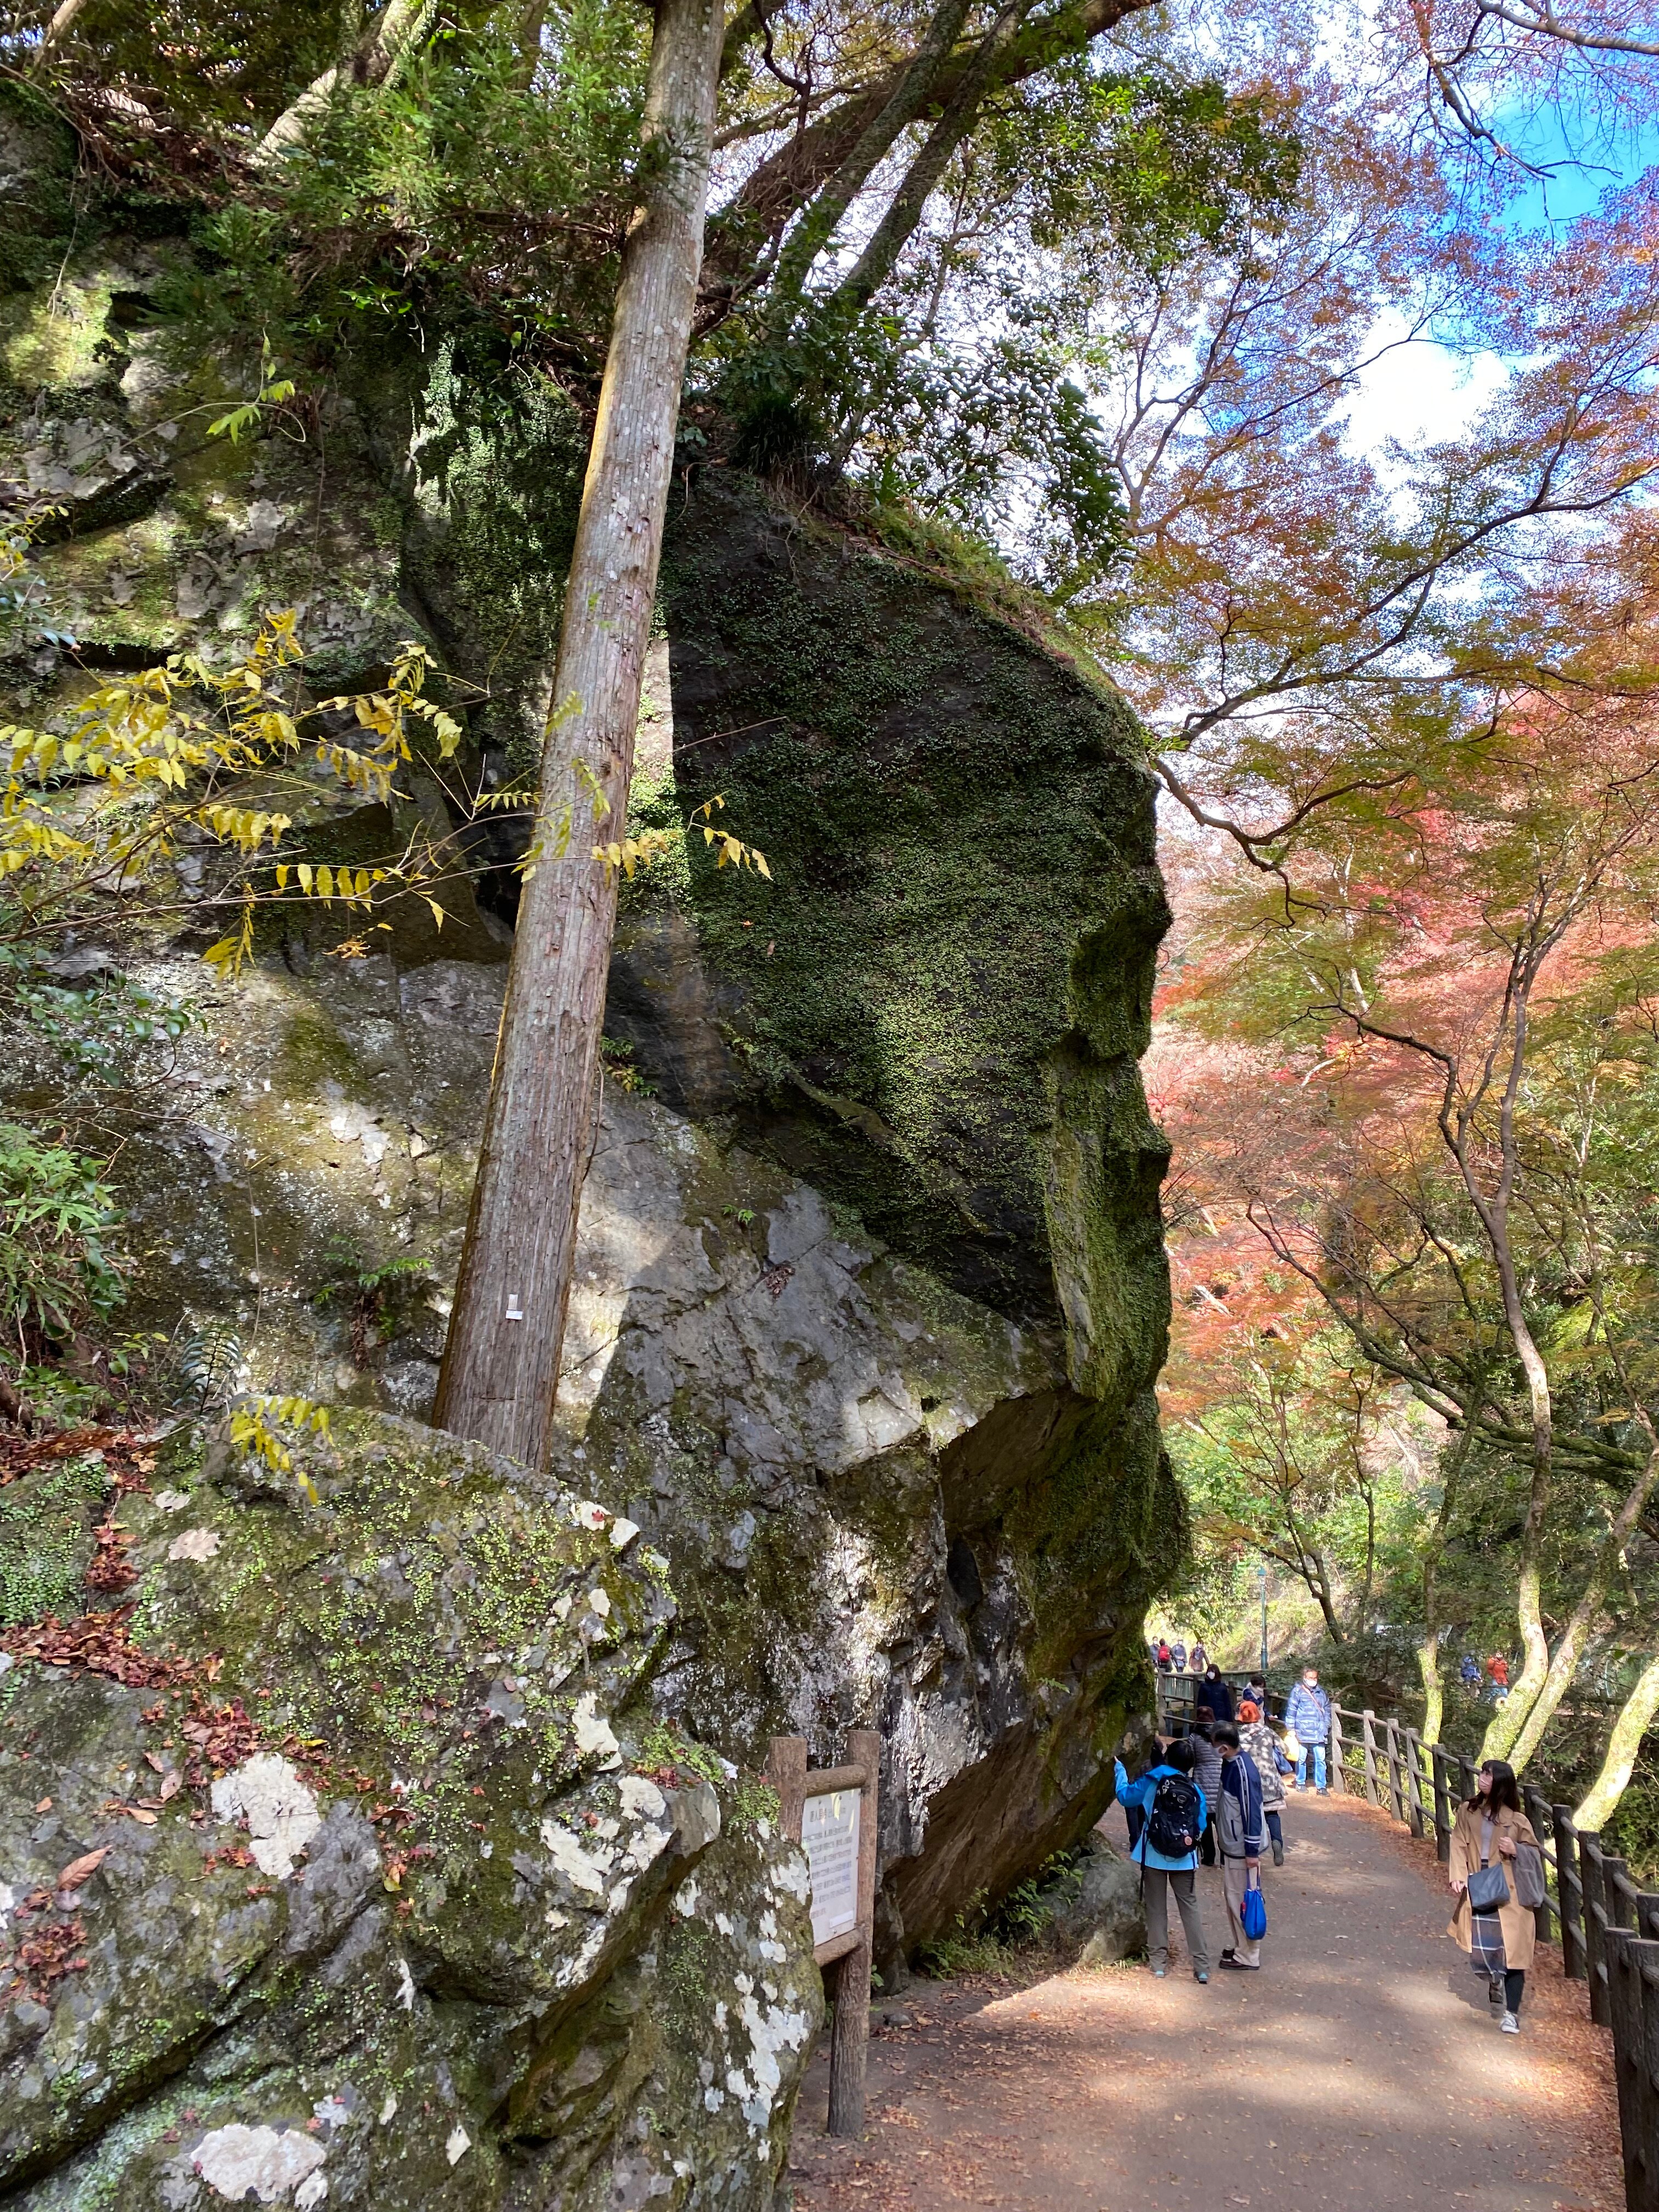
830	1837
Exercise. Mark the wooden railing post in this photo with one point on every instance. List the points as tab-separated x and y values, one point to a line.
1414	1781
1645	1956
1443	1817
1339	1779
1596	1922
1368	1726
1396	1792
1633	2001
1569	1893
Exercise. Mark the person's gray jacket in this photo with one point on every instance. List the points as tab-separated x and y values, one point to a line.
1207	1772
1243	1830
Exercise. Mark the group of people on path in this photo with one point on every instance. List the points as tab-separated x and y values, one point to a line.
1220	1791
1175	1659
1492	1680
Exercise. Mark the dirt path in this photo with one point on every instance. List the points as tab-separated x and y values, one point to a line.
1358	2072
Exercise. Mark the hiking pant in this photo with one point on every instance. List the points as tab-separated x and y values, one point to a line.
1235	1880
1157	1883
1206	1842
1275	1826
1318	1751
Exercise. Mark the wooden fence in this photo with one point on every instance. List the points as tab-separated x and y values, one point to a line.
1609	1928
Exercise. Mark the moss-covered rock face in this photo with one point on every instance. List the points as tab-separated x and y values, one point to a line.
935	1008
357	1868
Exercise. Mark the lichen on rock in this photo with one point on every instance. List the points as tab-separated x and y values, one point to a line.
402	1925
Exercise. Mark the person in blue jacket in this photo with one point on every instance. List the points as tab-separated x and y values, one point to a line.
1308	1717
1159	1873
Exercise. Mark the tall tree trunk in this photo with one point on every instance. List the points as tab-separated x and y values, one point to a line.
501	1363
1428	1650
1563	1664
1601	1800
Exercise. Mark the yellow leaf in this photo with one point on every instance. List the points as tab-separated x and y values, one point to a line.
437	912
325	882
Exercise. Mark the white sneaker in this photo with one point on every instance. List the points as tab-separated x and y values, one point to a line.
1510	2024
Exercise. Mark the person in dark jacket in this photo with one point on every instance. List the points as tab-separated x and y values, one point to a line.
1243	1839
1206	1772
1217	1694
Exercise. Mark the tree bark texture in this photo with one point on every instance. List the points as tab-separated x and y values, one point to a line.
1602	1801
1581	1622
501	1363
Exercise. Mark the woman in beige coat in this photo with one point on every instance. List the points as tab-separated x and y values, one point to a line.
1490	1829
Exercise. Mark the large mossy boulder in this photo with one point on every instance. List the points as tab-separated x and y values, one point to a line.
870	1297
341	1860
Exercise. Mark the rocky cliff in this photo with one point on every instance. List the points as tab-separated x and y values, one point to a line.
872	1294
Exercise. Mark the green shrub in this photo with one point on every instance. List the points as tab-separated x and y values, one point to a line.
59	1261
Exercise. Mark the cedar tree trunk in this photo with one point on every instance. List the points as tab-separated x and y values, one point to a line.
501	1364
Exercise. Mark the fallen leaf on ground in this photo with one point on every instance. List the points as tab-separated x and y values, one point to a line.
77	1871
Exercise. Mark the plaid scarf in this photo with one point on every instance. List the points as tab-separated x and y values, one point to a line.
1487	1944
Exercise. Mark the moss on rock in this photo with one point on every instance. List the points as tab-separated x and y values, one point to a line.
380	1881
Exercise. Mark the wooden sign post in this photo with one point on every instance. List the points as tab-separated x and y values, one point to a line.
830	1812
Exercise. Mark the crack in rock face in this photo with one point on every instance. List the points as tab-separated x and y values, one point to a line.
280	1811
268	2161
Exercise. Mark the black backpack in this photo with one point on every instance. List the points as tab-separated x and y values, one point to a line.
1173	1822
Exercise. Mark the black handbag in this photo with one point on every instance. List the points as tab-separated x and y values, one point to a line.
1488	1888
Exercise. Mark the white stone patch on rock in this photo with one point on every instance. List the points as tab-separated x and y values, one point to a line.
561	1608
197	1544
459	2144
712	2099
311	2192
648	1846
332	2111
388	2112
685	1897
8	1900
641	1799
586	1515
723	1922
405	1986
555	1919
280	1811
172	1501
573	1862
769	2033
599	1600
595	1738
622	1532
235	2160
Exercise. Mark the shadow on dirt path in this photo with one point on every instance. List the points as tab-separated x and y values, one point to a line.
1357	2072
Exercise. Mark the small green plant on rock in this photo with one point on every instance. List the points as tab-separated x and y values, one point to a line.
60	1258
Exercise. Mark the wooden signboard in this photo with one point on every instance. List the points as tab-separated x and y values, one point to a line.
830	1812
